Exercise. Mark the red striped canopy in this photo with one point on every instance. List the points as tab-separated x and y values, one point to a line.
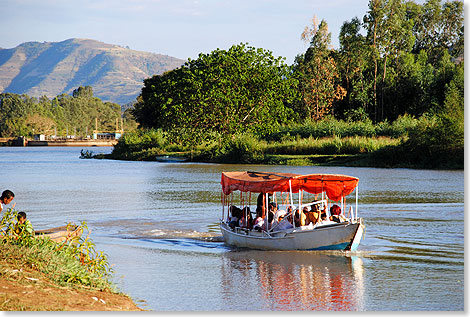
335	185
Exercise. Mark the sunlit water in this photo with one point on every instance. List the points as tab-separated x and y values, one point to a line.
157	222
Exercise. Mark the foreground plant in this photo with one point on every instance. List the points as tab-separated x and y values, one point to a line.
70	263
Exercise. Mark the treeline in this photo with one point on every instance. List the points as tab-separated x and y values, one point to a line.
77	114
402	59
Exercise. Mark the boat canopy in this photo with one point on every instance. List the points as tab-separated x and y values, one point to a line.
335	185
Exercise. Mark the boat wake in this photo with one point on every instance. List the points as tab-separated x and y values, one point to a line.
179	234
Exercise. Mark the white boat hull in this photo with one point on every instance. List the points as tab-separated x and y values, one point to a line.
341	236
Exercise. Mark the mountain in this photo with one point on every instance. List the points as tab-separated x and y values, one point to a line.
49	69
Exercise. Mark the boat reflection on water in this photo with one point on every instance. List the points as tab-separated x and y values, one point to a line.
272	280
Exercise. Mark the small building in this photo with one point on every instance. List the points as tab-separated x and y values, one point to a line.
106	136
39	137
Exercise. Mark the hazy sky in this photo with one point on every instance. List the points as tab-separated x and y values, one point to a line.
179	28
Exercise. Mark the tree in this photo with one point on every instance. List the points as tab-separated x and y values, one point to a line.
439	28
318	74
389	33
85	92
352	59
224	92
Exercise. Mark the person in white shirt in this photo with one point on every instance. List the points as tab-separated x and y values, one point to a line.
6	198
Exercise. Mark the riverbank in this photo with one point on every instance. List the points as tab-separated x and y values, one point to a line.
24	288
385	158
37	273
21	141
406	143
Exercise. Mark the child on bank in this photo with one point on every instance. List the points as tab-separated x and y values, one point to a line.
23	226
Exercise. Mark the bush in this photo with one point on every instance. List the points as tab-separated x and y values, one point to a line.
73	262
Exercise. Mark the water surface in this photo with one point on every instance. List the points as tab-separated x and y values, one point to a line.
157	222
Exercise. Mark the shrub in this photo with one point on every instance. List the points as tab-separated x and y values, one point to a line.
73	262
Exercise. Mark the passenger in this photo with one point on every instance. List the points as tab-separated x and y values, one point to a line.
23	226
258	224
336	216
246	220
236	215
273	207
6	198
269	224
299	220
282	222
261	204
313	215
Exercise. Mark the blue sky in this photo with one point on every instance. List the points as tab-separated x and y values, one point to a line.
179	28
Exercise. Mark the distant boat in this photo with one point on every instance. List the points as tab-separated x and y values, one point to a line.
344	233
171	159
60	234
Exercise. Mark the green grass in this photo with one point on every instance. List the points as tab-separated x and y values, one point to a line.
75	262
406	142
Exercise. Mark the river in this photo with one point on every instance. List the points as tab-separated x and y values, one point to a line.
157	222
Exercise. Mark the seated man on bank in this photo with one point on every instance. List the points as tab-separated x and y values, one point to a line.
6	198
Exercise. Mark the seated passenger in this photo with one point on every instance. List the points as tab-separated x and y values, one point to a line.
313	215
269	224
336	216
236	215
246	220
282	222
258	224
299	219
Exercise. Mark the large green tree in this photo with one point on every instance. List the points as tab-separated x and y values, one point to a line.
318	74
242	89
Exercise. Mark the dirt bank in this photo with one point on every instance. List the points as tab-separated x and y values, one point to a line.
24	289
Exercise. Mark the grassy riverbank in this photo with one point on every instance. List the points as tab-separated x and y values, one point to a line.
406	142
42	275
23	287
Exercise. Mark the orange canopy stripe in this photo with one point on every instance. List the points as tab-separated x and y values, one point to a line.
335	185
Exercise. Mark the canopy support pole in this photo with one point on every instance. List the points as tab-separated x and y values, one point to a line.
291	202
357	195
267	212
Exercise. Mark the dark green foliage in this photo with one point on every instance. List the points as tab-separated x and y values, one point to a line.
64	115
140	141
224	92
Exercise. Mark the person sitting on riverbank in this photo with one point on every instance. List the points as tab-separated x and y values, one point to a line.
23	226
6	198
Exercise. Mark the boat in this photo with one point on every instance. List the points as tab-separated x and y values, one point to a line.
60	234
277	191
170	159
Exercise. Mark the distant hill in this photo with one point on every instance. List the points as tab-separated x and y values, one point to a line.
51	68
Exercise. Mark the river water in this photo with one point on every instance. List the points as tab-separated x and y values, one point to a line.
157	222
